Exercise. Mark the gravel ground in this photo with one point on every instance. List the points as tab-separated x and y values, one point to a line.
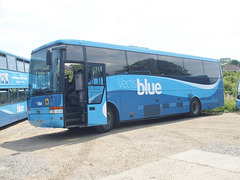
27	152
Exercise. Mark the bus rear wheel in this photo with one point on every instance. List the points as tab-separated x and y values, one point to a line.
195	107
110	121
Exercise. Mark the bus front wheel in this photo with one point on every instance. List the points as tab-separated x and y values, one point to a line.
110	121
195	107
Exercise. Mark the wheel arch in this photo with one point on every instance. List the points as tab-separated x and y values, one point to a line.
195	107
116	113
196	97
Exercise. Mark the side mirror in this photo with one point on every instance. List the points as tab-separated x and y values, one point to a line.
238	97
49	57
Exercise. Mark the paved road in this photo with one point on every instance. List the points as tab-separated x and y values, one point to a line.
206	147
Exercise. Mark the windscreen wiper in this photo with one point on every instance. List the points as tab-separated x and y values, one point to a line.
42	90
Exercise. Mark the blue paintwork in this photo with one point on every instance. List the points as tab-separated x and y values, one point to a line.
99	115
13	79
48	120
39	101
238	94
39	111
12	112
122	92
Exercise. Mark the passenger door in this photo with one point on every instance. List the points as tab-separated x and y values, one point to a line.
75	94
96	94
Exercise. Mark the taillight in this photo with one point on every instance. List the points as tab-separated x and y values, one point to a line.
56	110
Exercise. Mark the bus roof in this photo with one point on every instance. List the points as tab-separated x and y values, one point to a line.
121	47
11	54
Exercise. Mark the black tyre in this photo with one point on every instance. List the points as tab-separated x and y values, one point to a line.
195	107
110	121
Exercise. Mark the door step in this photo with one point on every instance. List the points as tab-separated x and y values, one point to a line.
73	115
71	109
73	122
75	126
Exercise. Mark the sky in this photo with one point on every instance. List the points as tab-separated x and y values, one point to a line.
207	28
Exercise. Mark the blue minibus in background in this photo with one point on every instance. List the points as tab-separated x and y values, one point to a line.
238	96
75	83
13	88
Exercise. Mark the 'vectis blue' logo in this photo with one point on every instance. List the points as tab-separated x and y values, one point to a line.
146	88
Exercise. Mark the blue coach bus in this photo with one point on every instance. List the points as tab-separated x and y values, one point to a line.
75	83
13	88
238	96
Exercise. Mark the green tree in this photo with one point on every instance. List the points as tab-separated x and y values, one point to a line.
230	82
225	60
233	62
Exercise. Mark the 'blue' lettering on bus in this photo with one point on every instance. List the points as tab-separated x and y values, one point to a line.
20	108
146	88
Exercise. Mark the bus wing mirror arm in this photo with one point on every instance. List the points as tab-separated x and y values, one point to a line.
49	57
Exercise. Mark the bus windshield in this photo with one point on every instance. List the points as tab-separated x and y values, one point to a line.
44	79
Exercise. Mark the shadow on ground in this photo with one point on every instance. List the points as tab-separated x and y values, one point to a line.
76	136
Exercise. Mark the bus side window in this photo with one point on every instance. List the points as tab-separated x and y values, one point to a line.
13	95
20	66
212	71
115	60
22	96
3	62
170	66
141	63
11	63
26	66
3	96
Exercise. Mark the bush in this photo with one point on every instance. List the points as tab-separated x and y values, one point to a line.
230	82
